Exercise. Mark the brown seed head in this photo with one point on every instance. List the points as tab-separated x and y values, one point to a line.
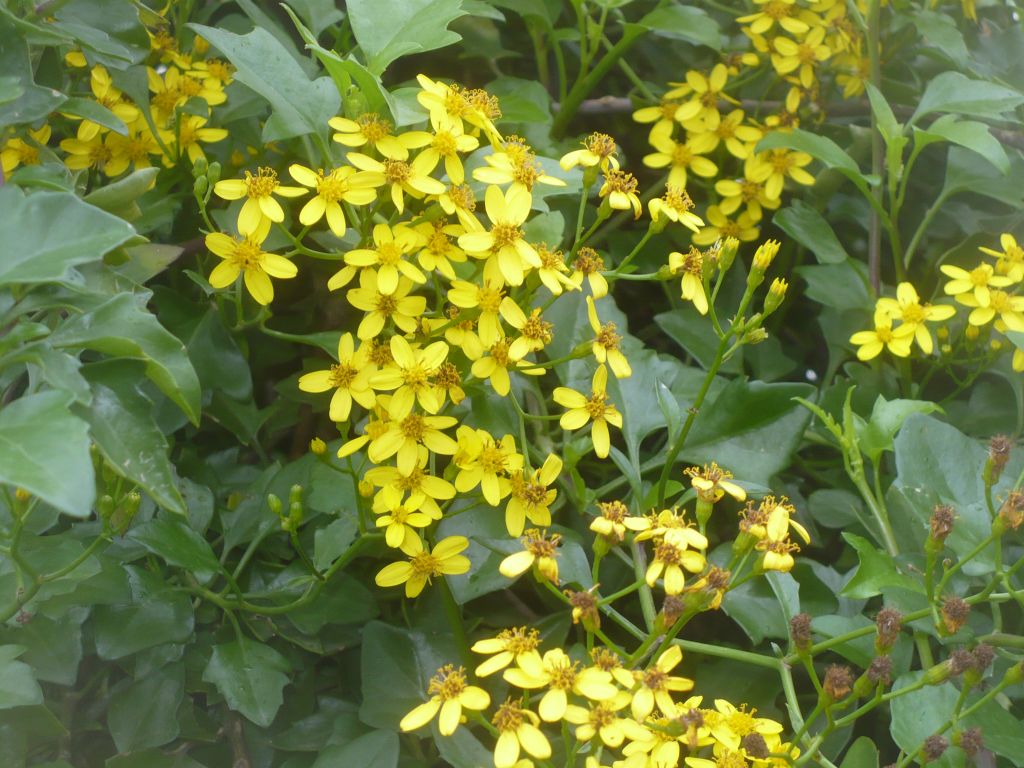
672	609
981	657
838	682
800	631
998	454
960	661
880	670
934	747
1012	511
971	741
954	613
941	522
888	623
755	746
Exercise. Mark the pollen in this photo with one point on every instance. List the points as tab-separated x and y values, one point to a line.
603	145
445	144
462	196
373	127
493	459
389	253
448	376
777	10
538	328
330	187
615	511
342	375
597	406
520	639
749	190
262	184
247	255
607	337
450	681
413	427
654	678
539	546
489	299
508	717
380	354
667	553
678	199
588	261
387	305
505	235
621	181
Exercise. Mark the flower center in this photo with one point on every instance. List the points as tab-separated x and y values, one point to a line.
678	199
396	171
749	190
563	675
588	261
537	328
596	406
330	187
462	197
682	155
389	253
603	145
262	184
342	375
508	717
387	305
505	235
621	181
247	255
489	299
449	682
413	427
777	10
492	459
980	274
654	679
373	127
667	553
607	337
913	313
499	353
445	144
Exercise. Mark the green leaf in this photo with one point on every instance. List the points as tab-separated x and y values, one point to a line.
18	686
876	573
821	148
301	106
250	676
45	450
809	228
121	423
840	286
377	749
684	22
965	174
31	102
318	14
331	542
93	110
522	101
412	26
108	30
54	646
940	32
888	125
47	234
144	714
123	193
971	134
751	428
179	545
955	92
754	605
157	614
887	416
120	327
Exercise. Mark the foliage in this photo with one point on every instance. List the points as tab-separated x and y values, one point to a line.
629	399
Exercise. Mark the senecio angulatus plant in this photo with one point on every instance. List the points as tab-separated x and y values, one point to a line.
583	384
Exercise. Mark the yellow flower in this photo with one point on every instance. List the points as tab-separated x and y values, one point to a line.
801	57
399	306
977	281
606	343
460	200
532	496
387	255
517	730
615	519
350	379
720	227
135	148
601	719
739	192
332	189
781	12
692	285
17	151
534	332
448	693
492	302
417	482
258	191
683	157
404	437
595	409
475	107
589	265
676	206
598	150
191	131
109	96
739	139
495	364
539	550
506	648
486	462
370	128
437	250
884	336
619	189
707	91
552	271
515	164
731	724
663	116
561	676
399	519
246	256
907	308
445	144
410	376
672	555
1005	308
774	166
504	246
402	178
1010	261
711	482
655	684
444	559
93	153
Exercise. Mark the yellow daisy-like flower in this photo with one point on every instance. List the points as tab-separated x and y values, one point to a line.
801	57
539	550
532	496
1006	309
598	150
691	265
517	165
391	245
977	281
400	518
410	376
476	107
781	12
443	560
93	153
398	307
908	309
1009	261
706	92
258	191
711	482
506	648
404	437
16	151
731	724
561	676
675	205
188	136
595	409
109	96
606	343
486	462
775	166
619	189
745	192
370	129
683	157
493	304
673	555
518	731
349	378
245	256
444	145
495	364
663	116
655	684
448	693
615	519
416	482
437	247
400	177
332	189
720	227
504	245
739	139
602	719
589	265
884	336
553	270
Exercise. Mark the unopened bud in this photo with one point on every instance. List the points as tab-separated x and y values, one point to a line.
672	609
1014	674
200	185
971	332
214	173
317	447
776	293
200	167
765	255
939	673
727	253
275	504
365	489
105	506
755	336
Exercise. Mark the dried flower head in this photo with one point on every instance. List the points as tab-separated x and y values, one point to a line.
954	613
838	682
800	631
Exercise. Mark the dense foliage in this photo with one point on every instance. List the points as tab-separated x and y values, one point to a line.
604	383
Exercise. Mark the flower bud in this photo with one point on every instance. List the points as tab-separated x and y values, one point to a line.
939	673
776	293
727	253
317	447
200	167
763	258
200	185
755	336
275	504
365	488
214	173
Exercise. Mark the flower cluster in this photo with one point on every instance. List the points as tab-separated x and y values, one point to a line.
989	291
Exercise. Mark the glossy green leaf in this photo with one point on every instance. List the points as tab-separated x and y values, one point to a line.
684	22
144	713
47	234
53	646
123	193
18	686
27	102
973	135
965	174
840	286
179	545
250	676
875	435
120	327
809	228
955	92
121	423
300	106
156	614
96	112
940	31
377	749
876	572
413	26
44	449
862	754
